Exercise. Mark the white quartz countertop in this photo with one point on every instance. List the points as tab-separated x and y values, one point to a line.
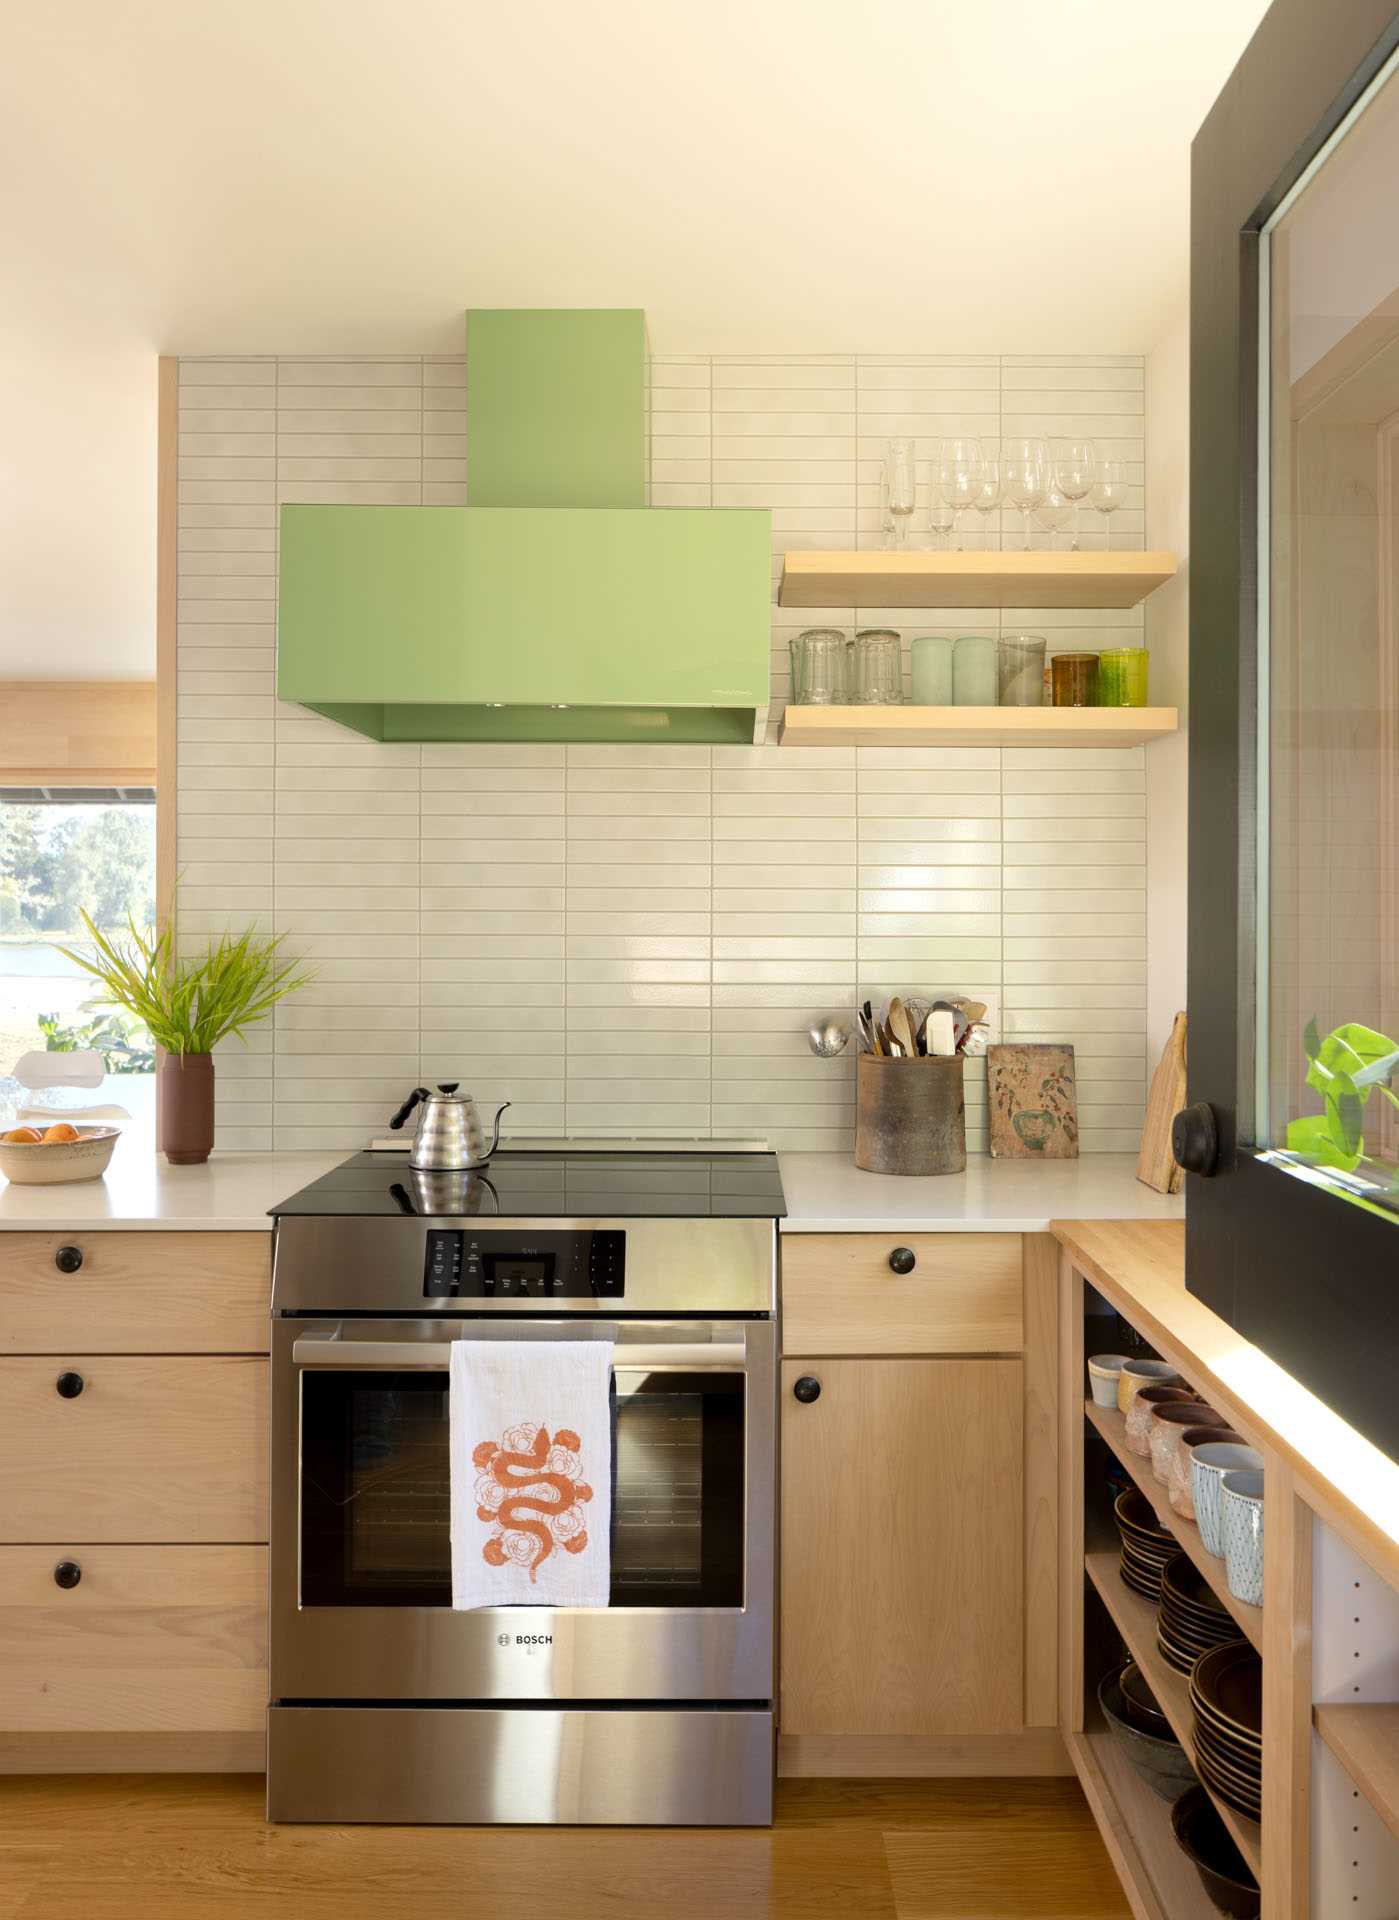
826	1193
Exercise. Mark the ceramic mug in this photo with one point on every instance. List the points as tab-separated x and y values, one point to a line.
1208	1466
1137	1374
1168	1423
1104	1370
1242	1525
1178	1474
1142	1412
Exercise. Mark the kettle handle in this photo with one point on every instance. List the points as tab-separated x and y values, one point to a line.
496	1140
418	1093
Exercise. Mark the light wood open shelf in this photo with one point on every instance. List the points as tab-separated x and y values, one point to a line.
1365	1739
1108	1422
1001	579
908	726
1135	1823
1135	1619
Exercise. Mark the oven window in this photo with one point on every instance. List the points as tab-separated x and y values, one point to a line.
375	1480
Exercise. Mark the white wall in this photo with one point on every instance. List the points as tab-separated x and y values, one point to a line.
1168	637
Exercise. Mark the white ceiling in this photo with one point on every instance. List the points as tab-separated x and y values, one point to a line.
350	175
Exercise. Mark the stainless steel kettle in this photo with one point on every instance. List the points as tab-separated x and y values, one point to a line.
449	1137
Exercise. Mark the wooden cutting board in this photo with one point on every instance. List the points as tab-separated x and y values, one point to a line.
1156	1164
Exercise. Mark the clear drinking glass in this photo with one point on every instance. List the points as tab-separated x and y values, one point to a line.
1055	512
988	496
1020	665
1074	461
939	515
879	668
818	668
960	470
1108	494
901	487
1025	465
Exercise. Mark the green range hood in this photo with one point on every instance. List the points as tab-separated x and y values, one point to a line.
558	606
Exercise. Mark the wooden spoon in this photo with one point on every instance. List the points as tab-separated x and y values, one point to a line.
899	1026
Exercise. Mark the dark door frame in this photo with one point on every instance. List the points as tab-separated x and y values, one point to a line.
1300	1273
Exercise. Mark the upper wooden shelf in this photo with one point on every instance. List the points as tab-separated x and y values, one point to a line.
1365	1739
972	579
975	726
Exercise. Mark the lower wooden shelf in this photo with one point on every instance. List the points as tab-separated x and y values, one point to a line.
1135	1619
1135	1824
1365	1739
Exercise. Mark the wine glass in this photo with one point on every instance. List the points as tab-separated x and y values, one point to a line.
1025	464
939	515
1074	461
1108	494
959	478
900	487
1056	511
988	496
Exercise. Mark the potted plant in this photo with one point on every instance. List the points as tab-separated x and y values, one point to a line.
188	1004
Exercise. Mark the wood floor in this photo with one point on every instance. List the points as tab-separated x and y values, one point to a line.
155	1847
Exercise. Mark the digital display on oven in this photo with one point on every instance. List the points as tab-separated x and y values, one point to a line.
506	1270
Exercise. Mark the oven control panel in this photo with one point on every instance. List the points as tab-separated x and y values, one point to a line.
463	1263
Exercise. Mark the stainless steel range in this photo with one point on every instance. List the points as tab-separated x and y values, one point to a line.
386	1704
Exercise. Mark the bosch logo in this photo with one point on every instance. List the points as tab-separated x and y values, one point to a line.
534	1639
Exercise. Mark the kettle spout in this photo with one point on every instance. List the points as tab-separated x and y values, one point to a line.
495	1138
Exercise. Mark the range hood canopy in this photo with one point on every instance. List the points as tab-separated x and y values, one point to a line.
558	605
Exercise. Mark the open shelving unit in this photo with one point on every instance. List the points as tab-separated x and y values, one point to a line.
1365	1739
908	726
1136	1827
999	579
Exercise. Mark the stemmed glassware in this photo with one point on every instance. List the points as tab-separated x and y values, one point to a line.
1025	465
1073	470
1108	494
960	471
1056	511
900	488
988	496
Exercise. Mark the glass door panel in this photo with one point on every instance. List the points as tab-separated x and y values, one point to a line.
1328	670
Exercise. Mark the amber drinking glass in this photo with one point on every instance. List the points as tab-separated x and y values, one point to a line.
1075	679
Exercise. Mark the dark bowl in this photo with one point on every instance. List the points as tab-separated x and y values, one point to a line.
1139	1707
1204	1840
1163	1764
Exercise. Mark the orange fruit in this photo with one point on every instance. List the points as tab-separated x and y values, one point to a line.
22	1137
59	1132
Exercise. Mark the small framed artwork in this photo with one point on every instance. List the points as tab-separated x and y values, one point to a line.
1032	1102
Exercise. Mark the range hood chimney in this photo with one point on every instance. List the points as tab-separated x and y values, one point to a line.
557	605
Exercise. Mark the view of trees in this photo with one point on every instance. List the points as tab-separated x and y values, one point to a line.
55	860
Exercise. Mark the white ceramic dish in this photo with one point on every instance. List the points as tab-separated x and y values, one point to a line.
1103	1372
57	1162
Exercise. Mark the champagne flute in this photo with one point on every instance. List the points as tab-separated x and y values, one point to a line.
1074	461
901	487
1056	511
959	477
988	496
1026	469
1108	494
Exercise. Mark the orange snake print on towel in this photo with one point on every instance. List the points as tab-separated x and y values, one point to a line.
524	1475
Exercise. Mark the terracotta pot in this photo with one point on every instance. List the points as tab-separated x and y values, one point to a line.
185	1092
1141	1412
1168	1423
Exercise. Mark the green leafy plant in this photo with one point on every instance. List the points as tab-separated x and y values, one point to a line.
1345	1068
189	1004
119	1039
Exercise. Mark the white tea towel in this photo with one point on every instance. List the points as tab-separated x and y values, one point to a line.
530	1436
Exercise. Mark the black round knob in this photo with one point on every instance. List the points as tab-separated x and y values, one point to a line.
67	1573
70	1385
807	1389
448	1086
68	1259
1195	1139
903	1260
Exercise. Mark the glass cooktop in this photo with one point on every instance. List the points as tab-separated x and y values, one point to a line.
566	1182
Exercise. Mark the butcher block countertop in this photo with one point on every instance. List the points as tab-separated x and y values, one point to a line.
1139	1266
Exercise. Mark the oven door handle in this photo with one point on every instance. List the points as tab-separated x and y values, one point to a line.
331	1350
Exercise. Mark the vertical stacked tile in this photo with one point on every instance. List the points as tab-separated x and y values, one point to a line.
637	940
784	942
346	844
227	565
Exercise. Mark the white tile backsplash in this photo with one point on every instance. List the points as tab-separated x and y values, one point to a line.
634	939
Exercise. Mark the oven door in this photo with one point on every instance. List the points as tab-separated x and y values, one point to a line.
361	1556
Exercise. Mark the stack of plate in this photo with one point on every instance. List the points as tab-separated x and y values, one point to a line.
1191	1620
1226	1691
1147	1546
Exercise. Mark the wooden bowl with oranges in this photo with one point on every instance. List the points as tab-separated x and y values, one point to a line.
48	1156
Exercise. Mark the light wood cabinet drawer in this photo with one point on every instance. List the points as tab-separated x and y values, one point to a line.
150	1448
135	1292
963	1294
151	1639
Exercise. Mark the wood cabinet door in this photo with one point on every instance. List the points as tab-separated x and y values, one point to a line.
902	1548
